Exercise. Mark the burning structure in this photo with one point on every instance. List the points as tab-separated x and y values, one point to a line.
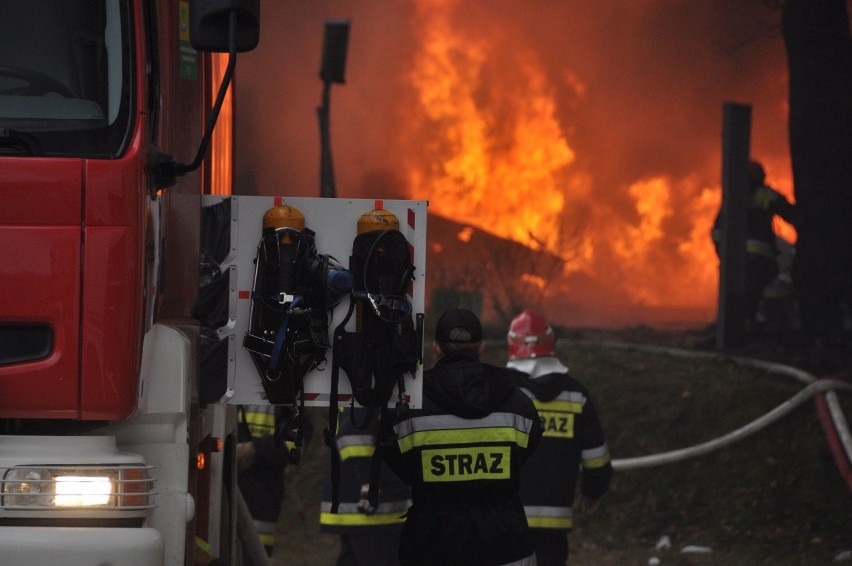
587	132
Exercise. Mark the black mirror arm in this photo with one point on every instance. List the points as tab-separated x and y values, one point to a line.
164	169
181	168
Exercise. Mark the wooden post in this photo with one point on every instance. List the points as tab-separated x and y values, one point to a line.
736	133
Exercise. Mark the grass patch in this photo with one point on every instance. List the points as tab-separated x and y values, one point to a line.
772	498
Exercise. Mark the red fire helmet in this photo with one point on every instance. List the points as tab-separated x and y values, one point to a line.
530	336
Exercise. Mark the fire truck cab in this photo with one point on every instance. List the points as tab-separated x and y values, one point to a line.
107	455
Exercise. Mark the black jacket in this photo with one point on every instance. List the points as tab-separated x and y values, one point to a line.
573	440
355	445
262	485
462	454
764	204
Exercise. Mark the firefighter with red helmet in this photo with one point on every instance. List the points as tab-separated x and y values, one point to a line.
572	450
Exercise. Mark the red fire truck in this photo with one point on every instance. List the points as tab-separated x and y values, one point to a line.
107	455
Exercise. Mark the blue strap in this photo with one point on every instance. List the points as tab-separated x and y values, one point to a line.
279	339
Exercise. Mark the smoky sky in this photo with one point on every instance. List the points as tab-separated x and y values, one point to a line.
653	76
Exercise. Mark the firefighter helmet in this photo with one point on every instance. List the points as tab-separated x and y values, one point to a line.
377	219
284	216
530	336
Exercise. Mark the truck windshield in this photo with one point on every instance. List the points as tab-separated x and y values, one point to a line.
65	78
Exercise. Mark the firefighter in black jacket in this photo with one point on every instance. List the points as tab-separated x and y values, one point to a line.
573	439
462	455
764	204
265	446
368	536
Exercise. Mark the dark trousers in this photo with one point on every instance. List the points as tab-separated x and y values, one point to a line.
551	546
760	272
377	549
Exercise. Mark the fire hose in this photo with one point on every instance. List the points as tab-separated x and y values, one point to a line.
823	390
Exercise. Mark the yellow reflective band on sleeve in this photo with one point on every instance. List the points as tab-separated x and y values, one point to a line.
356	446
550	522
466	464
549	516
359	451
557	424
267	539
361	519
595	457
592	463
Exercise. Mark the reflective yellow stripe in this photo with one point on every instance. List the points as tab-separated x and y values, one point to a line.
596	462
202	544
356	452
260	419
466	464
573	406
267	539
595	457
356	446
446	422
550	522
462	436
360	519
260	423
757	247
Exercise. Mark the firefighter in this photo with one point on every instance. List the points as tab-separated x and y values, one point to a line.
462	454
762	256
369	536
265	445
572	448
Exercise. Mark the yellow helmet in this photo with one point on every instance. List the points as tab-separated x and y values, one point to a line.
377	219
284	216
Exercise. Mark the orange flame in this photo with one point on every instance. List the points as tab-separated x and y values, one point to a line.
497	158
500	165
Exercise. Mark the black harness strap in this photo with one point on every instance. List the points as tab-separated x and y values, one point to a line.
377	356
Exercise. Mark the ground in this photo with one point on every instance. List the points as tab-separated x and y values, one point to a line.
774	497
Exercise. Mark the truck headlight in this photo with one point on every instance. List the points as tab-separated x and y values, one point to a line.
122	487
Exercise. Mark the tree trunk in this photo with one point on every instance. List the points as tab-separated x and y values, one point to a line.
819	57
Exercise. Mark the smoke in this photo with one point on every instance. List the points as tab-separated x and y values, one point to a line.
639	89
279	91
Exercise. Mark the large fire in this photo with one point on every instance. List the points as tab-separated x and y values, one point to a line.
587	131
499	163
493	153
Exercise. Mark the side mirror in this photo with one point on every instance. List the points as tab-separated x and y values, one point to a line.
209	24
225	26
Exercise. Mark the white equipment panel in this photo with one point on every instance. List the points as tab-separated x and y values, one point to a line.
335	222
